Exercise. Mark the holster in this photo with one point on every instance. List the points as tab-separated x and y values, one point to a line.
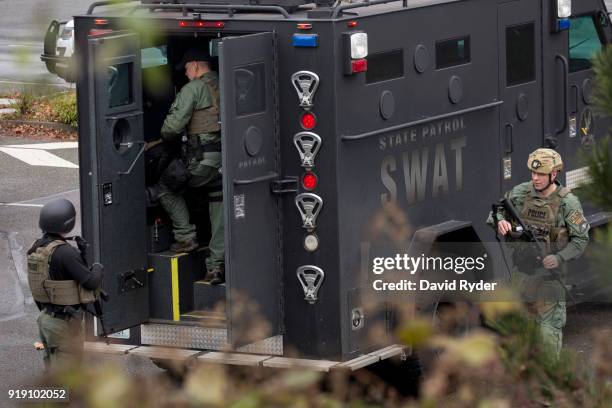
176	175
193	151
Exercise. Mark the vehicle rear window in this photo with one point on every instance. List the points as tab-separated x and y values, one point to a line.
383	66
584	43
249	89
520	54
452	52
154	56
120	85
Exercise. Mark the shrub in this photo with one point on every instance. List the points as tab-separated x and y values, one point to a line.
23	103
65	108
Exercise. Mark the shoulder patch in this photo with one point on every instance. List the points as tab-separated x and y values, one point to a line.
577	218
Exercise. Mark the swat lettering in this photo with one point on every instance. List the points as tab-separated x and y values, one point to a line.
424	132
416	171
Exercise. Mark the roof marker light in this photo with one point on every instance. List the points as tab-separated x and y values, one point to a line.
305	40
202	24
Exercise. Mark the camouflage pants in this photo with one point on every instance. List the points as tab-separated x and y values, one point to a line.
546	303
63	339
203	173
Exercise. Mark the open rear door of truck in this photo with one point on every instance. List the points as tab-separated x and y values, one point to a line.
117	175
250	163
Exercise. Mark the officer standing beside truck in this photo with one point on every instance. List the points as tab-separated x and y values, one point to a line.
555	217
195	111
62	284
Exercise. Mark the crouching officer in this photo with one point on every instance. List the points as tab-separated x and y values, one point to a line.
195	112
61	283
555	217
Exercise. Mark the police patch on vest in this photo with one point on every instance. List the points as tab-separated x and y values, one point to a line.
576	218
536	164
539	214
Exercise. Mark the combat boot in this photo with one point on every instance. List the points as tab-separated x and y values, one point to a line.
184	246
217	276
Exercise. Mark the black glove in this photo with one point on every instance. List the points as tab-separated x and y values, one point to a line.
81	243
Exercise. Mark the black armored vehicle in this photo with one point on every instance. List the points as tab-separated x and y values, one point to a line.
349	130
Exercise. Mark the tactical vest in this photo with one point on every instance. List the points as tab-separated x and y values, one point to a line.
206	120
540	215
46	290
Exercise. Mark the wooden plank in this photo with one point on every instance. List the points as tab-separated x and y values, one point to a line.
99	347
232	358
391	351
164	353
284	362
359	362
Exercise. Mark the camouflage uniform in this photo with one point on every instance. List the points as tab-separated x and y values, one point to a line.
560	223
195	110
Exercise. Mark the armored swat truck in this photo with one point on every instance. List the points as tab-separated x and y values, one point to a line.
349	130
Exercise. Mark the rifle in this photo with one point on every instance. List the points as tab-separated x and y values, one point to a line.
529	236
101	295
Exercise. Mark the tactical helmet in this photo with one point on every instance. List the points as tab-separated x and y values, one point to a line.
545	161
57	216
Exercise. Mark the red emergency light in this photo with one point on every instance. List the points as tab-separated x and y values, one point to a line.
202	24
308	120
309	181
94	32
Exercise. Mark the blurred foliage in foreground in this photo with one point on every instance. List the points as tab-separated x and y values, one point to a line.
504	367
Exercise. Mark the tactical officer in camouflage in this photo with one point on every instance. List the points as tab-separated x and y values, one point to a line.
555	215
62	285
195	111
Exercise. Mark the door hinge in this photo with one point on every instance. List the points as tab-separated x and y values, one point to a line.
286	185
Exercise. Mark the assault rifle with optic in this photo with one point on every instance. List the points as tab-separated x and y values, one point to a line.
528	235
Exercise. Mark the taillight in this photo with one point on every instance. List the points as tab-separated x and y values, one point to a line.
360	65
355	51
308	120
66	34
309	181
99	31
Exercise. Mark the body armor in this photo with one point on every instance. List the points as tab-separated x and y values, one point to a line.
206	120
540	215
46	290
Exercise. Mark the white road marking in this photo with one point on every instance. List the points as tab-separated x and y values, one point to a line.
24	45
21	205
35	157
60	84
47	146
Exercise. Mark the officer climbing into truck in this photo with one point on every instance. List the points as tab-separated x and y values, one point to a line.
61	282
195	112
553	215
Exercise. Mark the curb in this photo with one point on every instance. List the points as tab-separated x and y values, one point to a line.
49	125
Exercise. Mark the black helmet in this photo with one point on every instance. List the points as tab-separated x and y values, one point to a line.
57	216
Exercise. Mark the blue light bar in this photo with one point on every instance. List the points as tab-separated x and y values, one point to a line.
564	23
305	40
